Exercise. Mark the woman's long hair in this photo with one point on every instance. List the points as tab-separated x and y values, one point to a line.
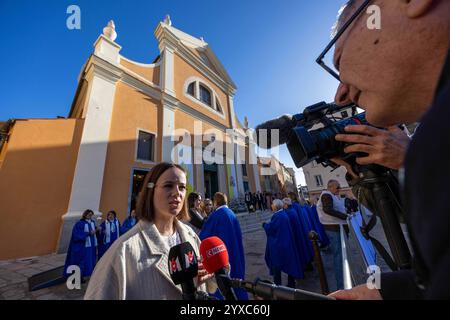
144	207
193	196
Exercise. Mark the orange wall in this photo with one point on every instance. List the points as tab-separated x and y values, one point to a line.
183	71
35	184
149	73
132	110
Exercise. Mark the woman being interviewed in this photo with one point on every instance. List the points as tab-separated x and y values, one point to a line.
136	265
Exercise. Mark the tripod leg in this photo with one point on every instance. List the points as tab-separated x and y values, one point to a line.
386	210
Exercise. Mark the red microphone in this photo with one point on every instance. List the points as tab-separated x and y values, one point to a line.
214	256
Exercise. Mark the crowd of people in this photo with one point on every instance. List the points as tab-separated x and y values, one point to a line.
104	251
289	248
90	241
119	258
258	200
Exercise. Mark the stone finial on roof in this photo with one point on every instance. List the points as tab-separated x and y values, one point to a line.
167	20
110	31
245	123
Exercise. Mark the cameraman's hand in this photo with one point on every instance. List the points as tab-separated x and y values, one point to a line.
361	292
384	147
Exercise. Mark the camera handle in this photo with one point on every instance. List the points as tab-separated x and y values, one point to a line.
385	208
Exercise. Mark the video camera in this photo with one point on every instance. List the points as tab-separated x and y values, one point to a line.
306	143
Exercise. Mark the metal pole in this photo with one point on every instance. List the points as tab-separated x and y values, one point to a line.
345	265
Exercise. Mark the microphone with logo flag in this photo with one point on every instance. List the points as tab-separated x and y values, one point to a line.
183	268
215	260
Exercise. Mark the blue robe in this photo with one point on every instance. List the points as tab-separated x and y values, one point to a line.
223	223
81	250
103	245
95	242
300	236
317	225
306	227
281	248
127	224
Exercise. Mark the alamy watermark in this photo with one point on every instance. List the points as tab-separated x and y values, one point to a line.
73	22
374	20
374	280
214	146
74	280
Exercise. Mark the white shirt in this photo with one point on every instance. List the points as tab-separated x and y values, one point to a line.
171	241
338	205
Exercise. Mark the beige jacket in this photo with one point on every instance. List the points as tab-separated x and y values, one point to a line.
135	267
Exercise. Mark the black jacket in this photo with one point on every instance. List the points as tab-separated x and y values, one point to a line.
426	192
196	219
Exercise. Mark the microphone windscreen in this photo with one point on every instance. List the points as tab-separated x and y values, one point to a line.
283	124
214	254
182	263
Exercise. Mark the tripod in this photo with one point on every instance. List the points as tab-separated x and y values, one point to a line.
379	183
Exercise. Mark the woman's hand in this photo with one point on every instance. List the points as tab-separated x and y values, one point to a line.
203	275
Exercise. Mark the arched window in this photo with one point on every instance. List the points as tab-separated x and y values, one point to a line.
191	89
198	91
205	95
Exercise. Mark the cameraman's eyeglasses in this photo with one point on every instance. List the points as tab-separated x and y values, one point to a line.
333	41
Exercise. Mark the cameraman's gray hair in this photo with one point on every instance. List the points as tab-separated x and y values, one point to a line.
342	14
278	204
287	201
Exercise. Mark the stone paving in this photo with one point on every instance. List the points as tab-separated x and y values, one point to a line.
14	274
14	279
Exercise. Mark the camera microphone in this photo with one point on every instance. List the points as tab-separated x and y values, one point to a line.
215	260
284	124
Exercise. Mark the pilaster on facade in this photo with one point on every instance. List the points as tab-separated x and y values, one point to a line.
167	70
107	50
90	166
232	113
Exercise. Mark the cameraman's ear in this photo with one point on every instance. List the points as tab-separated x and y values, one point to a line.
417	8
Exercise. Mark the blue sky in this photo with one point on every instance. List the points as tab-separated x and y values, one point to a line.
268	48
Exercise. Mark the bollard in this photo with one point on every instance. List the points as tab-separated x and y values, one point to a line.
314	237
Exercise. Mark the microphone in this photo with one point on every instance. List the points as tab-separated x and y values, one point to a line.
270	291
183	268
215	259
284	124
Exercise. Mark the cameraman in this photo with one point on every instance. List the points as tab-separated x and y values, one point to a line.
400	74
332	213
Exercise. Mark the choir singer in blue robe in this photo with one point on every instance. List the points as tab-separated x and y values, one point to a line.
300	233
282	254
81	250
129	222
109	232
223	223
